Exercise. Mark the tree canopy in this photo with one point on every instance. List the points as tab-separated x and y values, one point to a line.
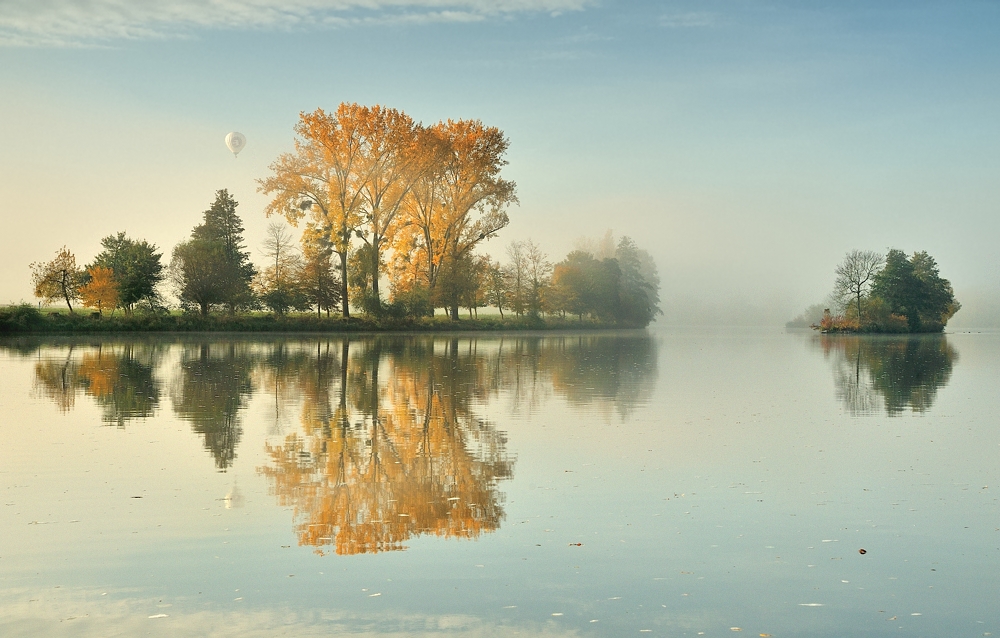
212	268
891	293
135	266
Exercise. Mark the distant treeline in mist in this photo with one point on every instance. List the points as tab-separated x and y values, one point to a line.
884	293
382	198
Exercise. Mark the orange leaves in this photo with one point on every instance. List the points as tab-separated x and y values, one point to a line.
101	291
418	194
407	458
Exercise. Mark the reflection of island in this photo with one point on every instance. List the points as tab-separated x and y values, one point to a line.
904	372
393	458
118	377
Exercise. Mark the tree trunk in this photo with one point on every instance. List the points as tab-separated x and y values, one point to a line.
343	284
454	312
375	273
204	309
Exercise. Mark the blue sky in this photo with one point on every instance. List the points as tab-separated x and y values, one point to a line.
746	145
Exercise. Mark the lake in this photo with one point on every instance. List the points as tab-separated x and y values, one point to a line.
670	483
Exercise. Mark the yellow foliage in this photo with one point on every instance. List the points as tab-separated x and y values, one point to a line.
101	291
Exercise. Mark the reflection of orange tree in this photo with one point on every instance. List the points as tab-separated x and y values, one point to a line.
402	458
119	378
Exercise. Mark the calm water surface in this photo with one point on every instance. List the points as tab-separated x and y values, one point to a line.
672	484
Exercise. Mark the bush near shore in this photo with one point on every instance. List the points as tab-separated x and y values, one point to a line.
25	319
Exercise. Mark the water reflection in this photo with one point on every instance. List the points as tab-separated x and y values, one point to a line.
894	373
118	377
213	388
373	441
394	458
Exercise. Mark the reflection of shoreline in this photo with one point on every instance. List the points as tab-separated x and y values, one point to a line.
391	441
891	373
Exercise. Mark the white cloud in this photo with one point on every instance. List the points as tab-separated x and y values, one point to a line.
57	23
689	19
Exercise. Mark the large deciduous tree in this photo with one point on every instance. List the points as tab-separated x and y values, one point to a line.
415	196
855	277
459	198
136	267
323	176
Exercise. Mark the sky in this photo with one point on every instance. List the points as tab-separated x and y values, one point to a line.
747	145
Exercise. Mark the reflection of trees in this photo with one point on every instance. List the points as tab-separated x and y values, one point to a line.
617	370
118	376
396	458
213	388
904	372
606	371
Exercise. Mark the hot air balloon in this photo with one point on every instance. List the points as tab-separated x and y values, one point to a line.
236	141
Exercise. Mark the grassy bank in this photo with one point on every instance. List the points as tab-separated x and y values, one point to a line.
18	320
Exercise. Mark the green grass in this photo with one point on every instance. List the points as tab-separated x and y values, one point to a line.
30	320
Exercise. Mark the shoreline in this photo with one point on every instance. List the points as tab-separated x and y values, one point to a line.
18	321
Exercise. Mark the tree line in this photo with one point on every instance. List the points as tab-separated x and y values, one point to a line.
894	292
380	197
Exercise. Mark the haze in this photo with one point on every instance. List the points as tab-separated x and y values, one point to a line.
746	145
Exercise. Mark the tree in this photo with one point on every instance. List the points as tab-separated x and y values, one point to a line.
371	174
136	266
496	286
318	280
939	298
58	279
278	284
912	287
212	268
516	273
638	291
363	276
539	274
101	291
576	283
323	177
388	166
458	198
856	276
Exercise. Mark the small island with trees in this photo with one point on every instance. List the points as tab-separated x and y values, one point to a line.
891	293
381	199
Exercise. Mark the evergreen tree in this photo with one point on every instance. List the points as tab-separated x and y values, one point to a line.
638	296
212	267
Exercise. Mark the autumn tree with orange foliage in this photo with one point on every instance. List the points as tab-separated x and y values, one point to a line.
101	291
420	196
351	170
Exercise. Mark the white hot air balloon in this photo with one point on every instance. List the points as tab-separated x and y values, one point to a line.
236	141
